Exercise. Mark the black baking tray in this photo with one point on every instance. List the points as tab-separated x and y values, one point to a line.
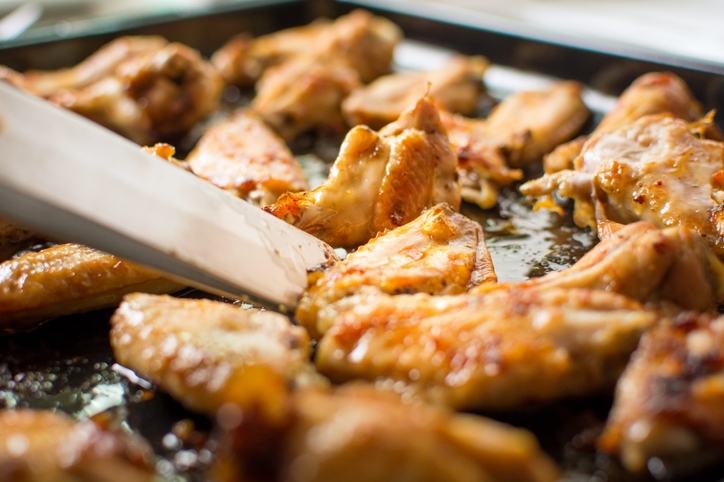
68	365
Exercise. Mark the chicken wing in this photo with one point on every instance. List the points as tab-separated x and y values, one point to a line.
196	349
243	156
441	252
40	446
358	433
518	132
67	279
655	169
363	41
456	87
379	181
669	402
652	93
151	96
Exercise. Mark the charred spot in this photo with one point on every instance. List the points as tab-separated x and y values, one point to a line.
640	199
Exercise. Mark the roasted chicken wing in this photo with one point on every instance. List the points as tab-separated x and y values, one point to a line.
670	400
67	279
243	156
359	39
652	93
441	252
456	87
379	181
520	129
196	349
43	446
358	433
658	169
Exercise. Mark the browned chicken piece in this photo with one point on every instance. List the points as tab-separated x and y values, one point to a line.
364	41
379	181
440	252
358	433
243	156
644	263
503	346
655	169
304	94
15	237
652	93
103	63
151	96
520	129
67	279
456	87
498	350
669	402
42	446
196	349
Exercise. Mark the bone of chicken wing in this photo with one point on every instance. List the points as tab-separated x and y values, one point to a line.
456	87
669	401
40	446
243	156
520	129
154	95
358	433
363	41
652	93
379	181
304	94
196	349
655	169
67	279
440	252
103	63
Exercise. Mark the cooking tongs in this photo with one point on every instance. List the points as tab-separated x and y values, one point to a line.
70	178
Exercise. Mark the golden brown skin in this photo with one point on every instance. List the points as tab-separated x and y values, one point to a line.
456	87
67	279
363	41
670	400
304	94
196	349
43	446
520	129
155	95
440	252
358	433
103	63
498	350
652	93
243	156
655	169
379	181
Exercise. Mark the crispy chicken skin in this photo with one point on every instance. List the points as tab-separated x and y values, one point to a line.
456	87
363	41
103	63
518	132
655	169
155	95
358	433
304	94
379	181
196	349
42	446
243	156
670	400
440	252
67	279
498	350
652	93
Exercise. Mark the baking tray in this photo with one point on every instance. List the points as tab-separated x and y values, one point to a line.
68	365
